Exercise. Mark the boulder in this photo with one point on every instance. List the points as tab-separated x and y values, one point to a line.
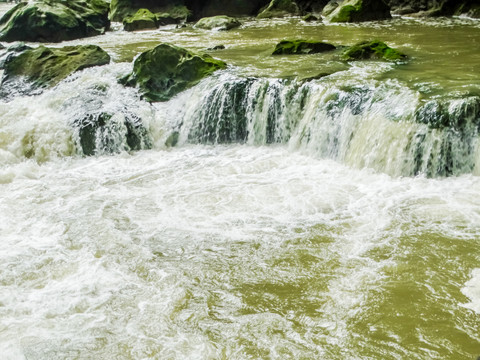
369	50
286	47
54	20
43	67
165	10
469	8
279	8
141	20
166	70
103	132
220	22
360	10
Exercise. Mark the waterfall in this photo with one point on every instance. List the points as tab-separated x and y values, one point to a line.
382	125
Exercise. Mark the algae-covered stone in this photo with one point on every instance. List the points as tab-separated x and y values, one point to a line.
279	8
141	20
372	50
166	10
360	10
43	66
167	69
220	22
285	47
54	20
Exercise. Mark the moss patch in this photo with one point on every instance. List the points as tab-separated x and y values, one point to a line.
43	67
54	21
372	50
166	70
220	22
142	19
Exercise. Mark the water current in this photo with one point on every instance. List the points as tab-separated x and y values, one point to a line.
265	215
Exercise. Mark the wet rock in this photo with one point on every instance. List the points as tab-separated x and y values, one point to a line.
105	133
220	22
9	53
166	70
285	47
310	18
360	10
369	50
217	47
143	19
279	8
166	11
43	67
429	8
330	8
54	20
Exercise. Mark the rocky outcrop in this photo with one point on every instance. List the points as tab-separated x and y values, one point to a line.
279	8
220	22
287	47
371	50
54	20
166	70
141	20
43	67
469	8
360	10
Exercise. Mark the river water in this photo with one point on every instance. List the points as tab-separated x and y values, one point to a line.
293	219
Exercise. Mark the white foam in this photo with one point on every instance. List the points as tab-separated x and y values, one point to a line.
472	291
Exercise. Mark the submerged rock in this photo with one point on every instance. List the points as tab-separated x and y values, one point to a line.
54	20
43	67
375	49
220	22
105	132
285	47
141	20
360	10
166	70
279	8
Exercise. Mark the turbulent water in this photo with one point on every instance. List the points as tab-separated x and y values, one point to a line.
263	214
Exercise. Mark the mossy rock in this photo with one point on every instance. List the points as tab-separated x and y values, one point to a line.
220	22
360	10
141	20
54	20
44	67
166	70
171	9
287	47
369	50
279	8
